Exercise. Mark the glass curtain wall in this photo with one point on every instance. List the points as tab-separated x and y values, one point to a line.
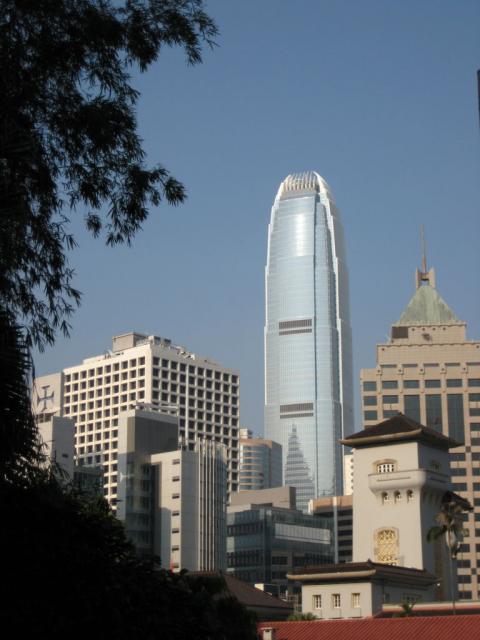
308	361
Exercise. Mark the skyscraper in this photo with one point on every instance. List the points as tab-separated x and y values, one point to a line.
308	353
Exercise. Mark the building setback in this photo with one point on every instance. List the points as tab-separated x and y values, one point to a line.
430	372
146	371
308	360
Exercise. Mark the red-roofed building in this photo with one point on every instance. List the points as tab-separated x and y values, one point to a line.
422	628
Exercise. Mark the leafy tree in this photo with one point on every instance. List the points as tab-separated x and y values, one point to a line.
450	529
301	616
69	139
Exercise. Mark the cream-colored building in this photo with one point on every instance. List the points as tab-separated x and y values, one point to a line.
57	436
191	507
149	372
430	372
402	480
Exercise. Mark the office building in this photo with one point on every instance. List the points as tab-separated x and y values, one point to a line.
191	490
430	372
57	437
260	462
267	537
308	353
141	434
143	371
340	510
402	482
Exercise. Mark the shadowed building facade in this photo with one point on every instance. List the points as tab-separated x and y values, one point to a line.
308	361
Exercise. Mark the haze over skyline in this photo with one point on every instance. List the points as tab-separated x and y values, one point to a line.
379	98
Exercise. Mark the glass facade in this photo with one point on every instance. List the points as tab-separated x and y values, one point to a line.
308	359
266	543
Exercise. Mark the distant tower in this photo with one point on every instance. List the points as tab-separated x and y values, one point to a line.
297	471
308	353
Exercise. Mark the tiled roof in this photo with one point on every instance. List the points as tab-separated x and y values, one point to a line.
246	594
422	628
398	428
368	570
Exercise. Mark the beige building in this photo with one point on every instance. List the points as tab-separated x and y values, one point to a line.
402	479
430	372
260	463
149	372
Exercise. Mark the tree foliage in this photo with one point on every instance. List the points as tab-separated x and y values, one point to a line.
73	573
69	139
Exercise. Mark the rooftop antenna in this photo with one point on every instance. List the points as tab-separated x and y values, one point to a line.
424	251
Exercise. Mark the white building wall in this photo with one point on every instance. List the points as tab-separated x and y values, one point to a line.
143	370
57	434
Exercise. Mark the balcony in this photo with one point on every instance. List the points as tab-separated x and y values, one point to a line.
414	479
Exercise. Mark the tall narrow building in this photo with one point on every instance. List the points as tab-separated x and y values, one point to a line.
308	353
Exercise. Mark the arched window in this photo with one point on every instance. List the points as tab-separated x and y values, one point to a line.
409	495
385	497
385	466
386	545
398	496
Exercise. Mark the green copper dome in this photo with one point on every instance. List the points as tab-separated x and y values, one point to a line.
427	307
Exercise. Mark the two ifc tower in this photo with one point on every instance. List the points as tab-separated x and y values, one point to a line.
308	343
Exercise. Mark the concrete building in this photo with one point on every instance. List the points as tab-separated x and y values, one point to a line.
57	435
348	474
143	371
402	479
340	510
260	463
267	537
190	503
308	353
430	372
141	434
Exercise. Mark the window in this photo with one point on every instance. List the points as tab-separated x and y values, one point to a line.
372	386
369	401
336	601
412	407
432	384
410	384
317	602
355	600
454	382
386	467
389	384
474	382
390	399
474	397
386	546
370	415
433	404
456	425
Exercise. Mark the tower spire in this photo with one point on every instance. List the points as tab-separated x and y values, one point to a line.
423	276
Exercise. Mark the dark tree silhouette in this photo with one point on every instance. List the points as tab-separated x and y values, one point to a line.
68	137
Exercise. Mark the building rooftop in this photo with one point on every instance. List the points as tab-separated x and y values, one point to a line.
398	429
368	571
427	307
426	628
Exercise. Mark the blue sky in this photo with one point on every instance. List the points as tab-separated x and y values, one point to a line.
377	96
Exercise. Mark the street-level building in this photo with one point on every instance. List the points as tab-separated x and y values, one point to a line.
266	541
402	483
143	371
430	372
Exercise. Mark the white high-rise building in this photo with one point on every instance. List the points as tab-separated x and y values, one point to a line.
191	503
308	352
143	371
